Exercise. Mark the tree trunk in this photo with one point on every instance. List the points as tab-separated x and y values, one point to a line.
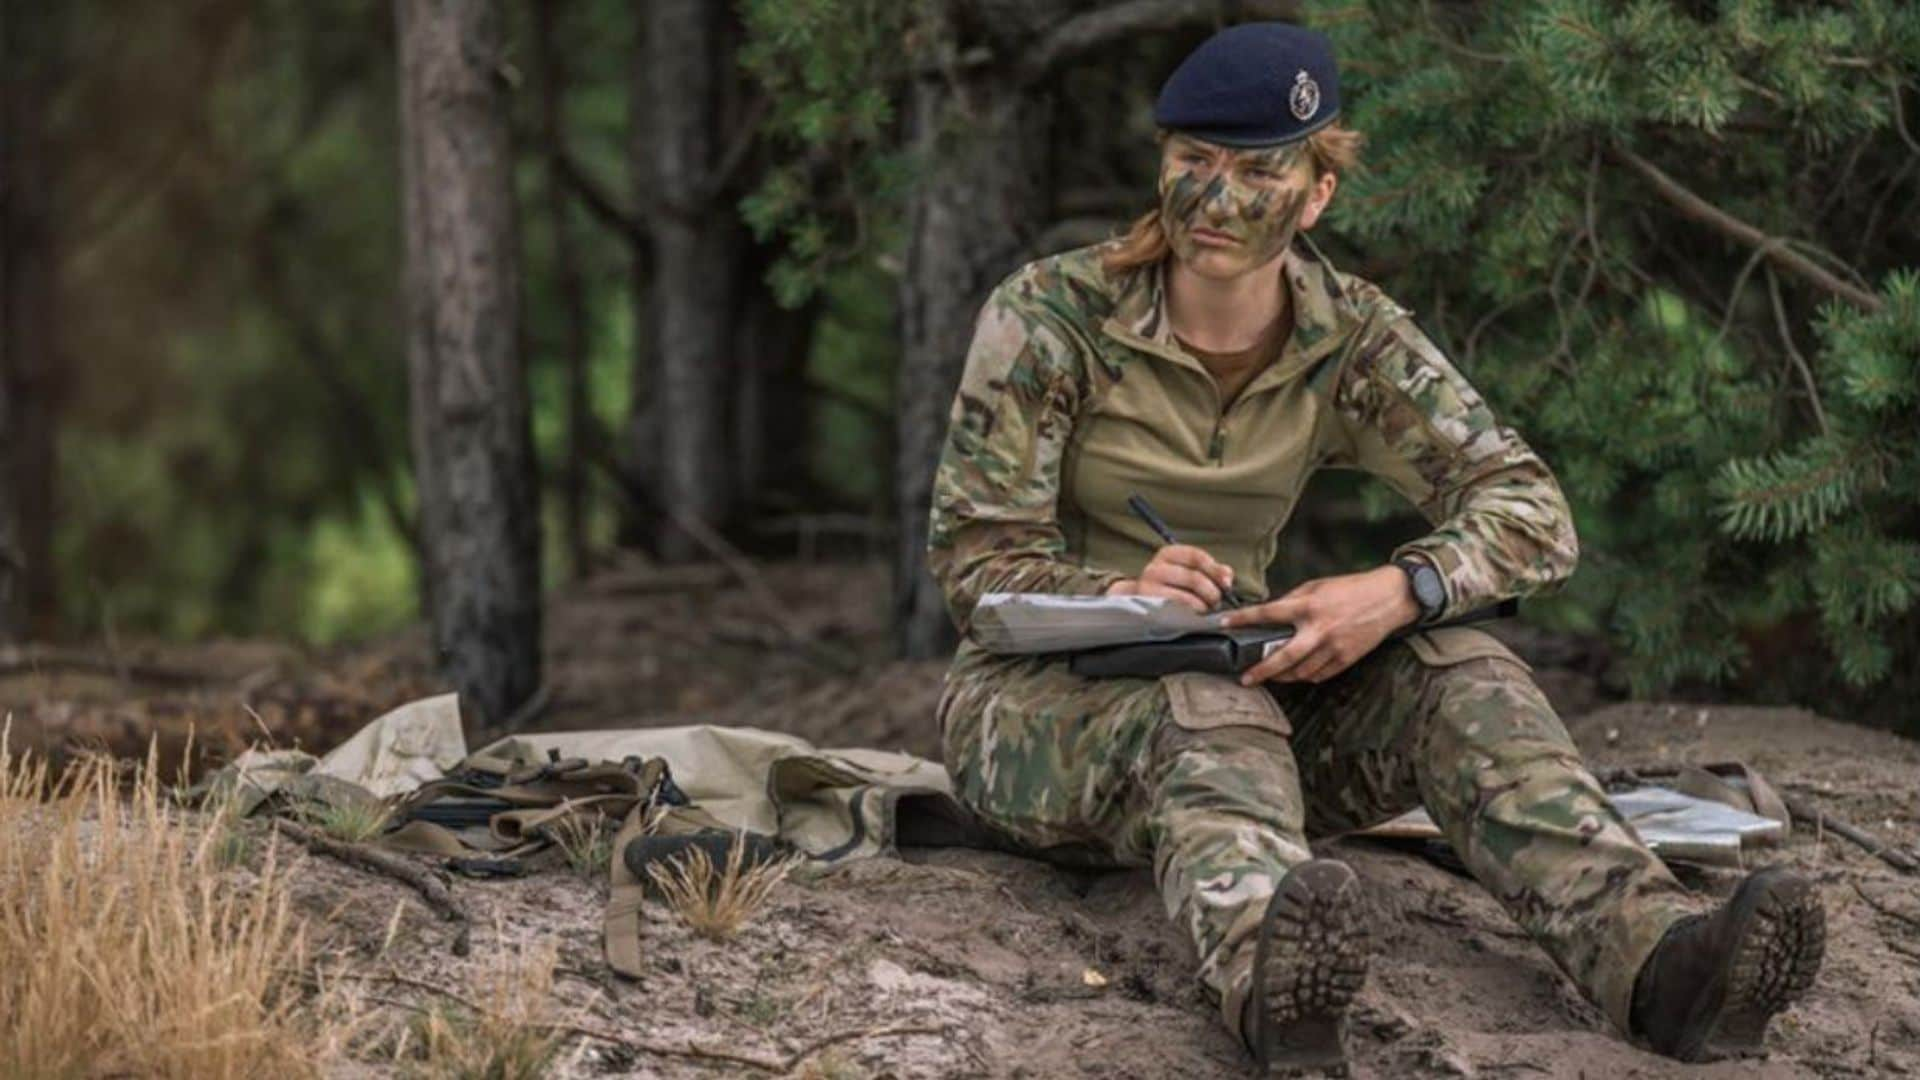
982	193
13	562
29	345
697	247
472	446
771	402
573	301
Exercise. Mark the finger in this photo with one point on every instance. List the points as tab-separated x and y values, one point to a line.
1196	558
1192	581
1319	666
1289	609
1279	661
1184	555
1154	588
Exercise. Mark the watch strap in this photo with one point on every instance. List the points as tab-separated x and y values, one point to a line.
1413	567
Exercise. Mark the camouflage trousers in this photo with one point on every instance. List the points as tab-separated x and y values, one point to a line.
1218	787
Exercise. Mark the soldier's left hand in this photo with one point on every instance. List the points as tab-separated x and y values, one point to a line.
1335	620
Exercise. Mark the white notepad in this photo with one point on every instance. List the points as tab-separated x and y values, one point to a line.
1044	623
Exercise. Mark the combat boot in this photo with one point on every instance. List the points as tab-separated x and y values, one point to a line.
1308	964
1715	980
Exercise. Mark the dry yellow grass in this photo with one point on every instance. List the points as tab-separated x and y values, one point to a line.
128	951
716	903
513	1032
587	842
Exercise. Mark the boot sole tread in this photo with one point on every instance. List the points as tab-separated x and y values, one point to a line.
1773	967
1315	967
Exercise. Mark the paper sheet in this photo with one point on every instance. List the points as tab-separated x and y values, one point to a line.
1041	623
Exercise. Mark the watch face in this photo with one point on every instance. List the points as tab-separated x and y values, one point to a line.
1427	588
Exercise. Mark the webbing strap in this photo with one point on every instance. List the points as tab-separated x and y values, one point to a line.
428	838
542	795
620	926
519	826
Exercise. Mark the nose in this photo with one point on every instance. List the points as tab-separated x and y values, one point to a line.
1215	200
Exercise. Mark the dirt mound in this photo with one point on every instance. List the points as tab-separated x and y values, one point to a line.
961	963
957	963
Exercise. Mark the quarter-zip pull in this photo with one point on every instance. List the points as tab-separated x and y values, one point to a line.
1217	446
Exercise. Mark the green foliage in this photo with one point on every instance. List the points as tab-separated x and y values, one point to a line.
830	69
231	410
586	842
851	365
1789	493
350	822
1728	480
233	433
1850	498
1739	446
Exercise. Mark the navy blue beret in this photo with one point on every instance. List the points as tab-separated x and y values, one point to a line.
1256	84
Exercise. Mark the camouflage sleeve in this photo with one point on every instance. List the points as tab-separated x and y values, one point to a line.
995	525
1502	527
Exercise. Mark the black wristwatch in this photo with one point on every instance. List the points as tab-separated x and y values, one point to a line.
1428	591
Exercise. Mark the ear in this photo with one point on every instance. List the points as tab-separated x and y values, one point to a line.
1317	201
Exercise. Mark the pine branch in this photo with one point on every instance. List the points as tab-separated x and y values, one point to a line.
1788	493
1793	351
1698	209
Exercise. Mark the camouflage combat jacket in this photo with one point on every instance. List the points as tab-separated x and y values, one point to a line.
1076	395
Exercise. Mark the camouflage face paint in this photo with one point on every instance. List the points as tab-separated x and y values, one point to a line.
1253	197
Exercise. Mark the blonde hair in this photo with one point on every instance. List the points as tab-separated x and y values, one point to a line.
1335	149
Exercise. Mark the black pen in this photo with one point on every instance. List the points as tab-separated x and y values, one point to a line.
1229	598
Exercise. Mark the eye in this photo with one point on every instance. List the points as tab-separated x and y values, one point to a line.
1260	172
1191	158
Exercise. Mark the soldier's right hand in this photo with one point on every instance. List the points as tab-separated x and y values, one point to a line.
1182	573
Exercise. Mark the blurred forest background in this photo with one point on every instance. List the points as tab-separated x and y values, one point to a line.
698	275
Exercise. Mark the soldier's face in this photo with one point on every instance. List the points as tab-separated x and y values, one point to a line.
1227	212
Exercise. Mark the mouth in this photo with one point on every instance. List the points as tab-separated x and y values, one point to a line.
1212	236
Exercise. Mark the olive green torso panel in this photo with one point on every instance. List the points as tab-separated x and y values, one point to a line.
1076	395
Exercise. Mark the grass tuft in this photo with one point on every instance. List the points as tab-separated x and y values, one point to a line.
587	842
716	903
512	1033
130	950
353	822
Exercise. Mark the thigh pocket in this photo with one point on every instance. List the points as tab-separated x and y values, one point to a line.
1203	702
1446	646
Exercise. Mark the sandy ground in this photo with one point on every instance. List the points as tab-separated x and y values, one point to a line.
988	955
956	963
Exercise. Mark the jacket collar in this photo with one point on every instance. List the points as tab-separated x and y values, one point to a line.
1140	319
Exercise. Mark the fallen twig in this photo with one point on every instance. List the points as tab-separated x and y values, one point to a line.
1800	808
430	888
320	977
691	1050
788	1064
1886	909
798	1056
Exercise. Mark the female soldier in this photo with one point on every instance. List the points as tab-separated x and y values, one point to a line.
1211	360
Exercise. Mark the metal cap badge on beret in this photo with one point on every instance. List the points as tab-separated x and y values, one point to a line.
1256	84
